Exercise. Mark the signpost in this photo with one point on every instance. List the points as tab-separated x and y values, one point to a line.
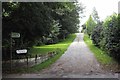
15	35
12	35
22	51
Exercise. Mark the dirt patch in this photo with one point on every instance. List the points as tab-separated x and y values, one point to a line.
115	68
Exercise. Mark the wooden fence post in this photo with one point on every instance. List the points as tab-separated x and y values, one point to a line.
27	61
35	58
39	57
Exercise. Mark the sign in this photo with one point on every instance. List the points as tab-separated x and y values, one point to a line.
21	51
15	35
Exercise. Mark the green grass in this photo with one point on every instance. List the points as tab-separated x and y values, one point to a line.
101	56
46	64
63	45
46	48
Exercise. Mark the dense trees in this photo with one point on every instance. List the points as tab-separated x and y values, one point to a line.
39	22
106	35
111	36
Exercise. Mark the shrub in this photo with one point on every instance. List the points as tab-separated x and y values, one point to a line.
111	35
96	35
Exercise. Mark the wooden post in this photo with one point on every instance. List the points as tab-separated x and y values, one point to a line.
39	57
54	53
27	61
35	59
10	53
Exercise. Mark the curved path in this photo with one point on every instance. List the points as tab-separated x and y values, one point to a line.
77	62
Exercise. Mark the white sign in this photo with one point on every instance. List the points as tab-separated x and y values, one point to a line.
15	35
21	51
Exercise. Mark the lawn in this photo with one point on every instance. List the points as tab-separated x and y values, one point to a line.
47	48
63	45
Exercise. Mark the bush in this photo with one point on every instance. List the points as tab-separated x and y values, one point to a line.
96	35
111	36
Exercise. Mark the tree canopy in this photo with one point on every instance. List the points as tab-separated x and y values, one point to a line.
40	22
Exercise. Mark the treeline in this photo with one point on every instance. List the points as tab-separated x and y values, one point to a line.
105	34
39	22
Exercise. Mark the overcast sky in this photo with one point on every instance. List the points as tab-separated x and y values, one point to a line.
104	8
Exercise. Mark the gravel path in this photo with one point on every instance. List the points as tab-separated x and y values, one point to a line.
78	61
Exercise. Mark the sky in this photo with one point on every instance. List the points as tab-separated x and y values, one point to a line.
104	8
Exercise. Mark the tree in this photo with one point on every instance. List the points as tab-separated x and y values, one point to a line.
55	31
68	16
95	15
90	24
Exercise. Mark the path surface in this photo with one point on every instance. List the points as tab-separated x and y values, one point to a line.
77	62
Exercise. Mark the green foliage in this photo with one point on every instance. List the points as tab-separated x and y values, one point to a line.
61	47
101	55
90	24
39	22
112	36
54	32
107	36
96	34
46	48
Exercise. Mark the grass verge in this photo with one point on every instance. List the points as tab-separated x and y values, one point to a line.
105	60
